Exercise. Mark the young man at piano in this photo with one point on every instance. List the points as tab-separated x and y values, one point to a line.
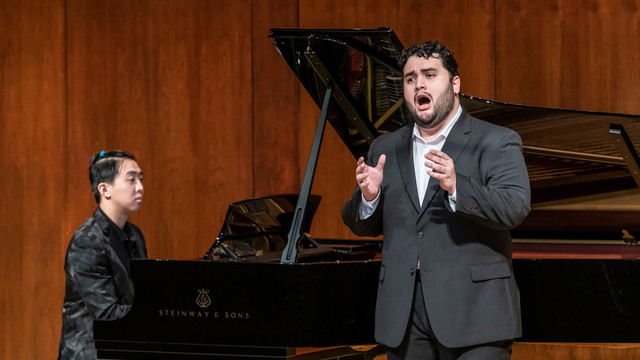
444	192
97	263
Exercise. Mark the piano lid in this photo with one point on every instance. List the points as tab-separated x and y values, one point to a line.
568	153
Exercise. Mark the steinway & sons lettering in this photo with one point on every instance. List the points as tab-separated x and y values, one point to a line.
204	314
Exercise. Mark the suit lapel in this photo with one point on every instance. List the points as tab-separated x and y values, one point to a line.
404	152
456	141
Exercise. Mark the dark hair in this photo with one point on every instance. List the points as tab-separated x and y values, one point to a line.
427	50
104	168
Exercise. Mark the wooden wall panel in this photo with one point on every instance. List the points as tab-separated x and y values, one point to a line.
171	82
276	124
465	26
196	91
33	157
570	54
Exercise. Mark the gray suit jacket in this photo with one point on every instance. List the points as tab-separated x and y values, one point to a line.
465	256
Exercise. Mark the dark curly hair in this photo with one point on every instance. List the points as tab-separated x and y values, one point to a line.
104	168
427	50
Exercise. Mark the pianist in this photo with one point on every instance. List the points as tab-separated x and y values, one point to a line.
96	266
444	193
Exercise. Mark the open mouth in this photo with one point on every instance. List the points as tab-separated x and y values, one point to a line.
423	101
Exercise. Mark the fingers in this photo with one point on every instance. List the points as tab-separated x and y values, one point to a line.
435	167
361	179
361	172
442	168
381	161
437	156
439	162
367	176
361	167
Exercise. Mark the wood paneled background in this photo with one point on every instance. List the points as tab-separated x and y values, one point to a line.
197	92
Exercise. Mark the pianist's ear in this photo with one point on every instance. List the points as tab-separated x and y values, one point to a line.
103	188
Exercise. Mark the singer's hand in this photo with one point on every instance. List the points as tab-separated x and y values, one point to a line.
369	178
443	169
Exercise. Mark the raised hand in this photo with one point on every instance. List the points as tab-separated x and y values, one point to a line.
443	169
369	178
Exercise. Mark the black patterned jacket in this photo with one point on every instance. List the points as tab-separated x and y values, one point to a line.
98	285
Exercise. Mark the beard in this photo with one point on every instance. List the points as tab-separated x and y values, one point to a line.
441	110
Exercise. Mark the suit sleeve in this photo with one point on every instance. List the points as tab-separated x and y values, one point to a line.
502	199
93	274
372	225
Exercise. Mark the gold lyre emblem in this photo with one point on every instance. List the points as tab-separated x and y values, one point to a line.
203	300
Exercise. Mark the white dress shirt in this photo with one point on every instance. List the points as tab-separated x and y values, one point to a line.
420	148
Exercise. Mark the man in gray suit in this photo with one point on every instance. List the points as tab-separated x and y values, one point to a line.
444	193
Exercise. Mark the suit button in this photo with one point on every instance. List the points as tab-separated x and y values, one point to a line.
413	271
420	235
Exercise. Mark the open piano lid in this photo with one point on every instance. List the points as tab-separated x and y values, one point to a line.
568	153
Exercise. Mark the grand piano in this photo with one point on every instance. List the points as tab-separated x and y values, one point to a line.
267	289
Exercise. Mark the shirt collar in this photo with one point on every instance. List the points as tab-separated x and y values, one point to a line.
122	234
443	134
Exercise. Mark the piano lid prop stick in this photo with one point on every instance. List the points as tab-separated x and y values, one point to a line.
290	253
